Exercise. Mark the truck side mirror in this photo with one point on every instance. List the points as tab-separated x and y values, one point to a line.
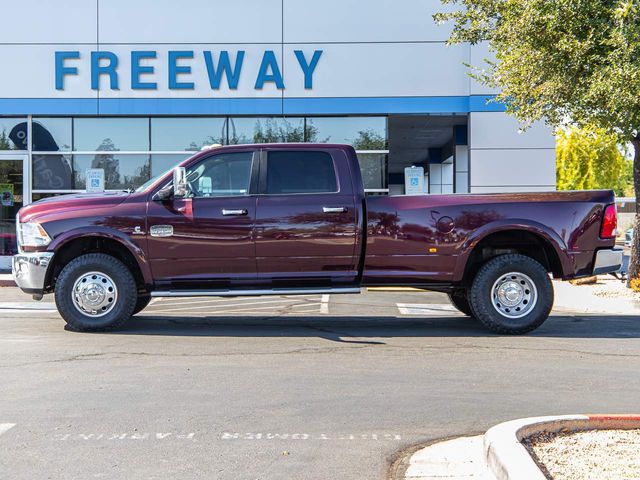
180	185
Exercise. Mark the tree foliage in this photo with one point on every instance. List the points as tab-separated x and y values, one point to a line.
5	142
559	60
369	140
589	158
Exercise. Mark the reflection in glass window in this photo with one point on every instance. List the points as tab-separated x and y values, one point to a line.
120	171
51	134
221	175
39	196
111	134
162	163
363	133
13	134
52	172
169	134
373	169
265	130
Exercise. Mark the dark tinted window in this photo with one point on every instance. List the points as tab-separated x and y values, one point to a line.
221	175
300	172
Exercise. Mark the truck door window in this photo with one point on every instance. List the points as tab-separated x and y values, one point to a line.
221	175
300	172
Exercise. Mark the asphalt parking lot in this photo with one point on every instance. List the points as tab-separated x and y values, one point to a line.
308	387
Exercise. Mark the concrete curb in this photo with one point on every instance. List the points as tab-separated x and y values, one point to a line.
508	459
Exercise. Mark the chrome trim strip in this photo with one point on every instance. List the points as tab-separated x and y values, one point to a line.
247	293
334	209
240	211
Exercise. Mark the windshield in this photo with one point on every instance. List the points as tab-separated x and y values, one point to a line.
151	181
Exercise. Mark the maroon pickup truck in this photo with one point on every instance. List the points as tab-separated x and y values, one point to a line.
293	219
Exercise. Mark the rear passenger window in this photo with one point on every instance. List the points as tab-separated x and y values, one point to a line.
300	172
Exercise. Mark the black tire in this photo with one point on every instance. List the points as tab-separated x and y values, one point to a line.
481	297
141	303
461	302
125	300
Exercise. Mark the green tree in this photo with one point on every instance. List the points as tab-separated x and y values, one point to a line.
5	143
589	158
564	62
369	140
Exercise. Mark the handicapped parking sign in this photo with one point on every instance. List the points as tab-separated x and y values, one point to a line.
414	181
95	180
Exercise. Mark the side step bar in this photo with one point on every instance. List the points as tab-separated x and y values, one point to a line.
246	293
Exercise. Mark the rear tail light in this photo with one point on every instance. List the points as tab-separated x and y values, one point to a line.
609	222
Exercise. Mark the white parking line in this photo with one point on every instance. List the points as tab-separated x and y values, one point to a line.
182	309
427	309
166	302
5	427
270	307
306	304
324	307
39	306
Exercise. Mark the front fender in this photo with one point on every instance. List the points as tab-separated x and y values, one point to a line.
110	233
539	229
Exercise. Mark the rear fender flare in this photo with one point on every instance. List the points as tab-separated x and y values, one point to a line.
539	229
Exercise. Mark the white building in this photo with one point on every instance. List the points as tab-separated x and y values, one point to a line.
134	86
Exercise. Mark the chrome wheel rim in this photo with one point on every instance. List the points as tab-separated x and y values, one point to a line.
514	295
94	294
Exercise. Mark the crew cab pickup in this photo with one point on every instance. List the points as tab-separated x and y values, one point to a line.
276	219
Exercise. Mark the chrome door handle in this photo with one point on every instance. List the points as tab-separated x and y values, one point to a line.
228	212
334	209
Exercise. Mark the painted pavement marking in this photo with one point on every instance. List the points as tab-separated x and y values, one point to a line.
224	435
21	306
324	307
428	309
5	427
281	305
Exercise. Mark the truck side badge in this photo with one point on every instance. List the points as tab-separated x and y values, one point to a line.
137	231
161	230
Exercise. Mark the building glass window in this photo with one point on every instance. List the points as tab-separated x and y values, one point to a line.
110	134
52	172
110	143
363	133
13	133
265	130
121	172
51	134
373	167
176	133
160	163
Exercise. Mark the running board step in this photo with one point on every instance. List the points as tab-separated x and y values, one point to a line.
247	293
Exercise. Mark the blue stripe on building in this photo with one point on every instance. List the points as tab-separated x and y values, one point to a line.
250	106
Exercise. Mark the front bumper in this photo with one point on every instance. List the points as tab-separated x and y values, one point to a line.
30	270
607	261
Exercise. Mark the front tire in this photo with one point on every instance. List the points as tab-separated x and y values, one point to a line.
461	302
95	292
511	294
141	303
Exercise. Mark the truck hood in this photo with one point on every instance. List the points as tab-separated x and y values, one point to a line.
66	203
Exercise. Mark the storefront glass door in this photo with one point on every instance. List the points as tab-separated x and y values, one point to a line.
12	197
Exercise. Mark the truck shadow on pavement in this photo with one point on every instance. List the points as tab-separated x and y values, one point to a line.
358	329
